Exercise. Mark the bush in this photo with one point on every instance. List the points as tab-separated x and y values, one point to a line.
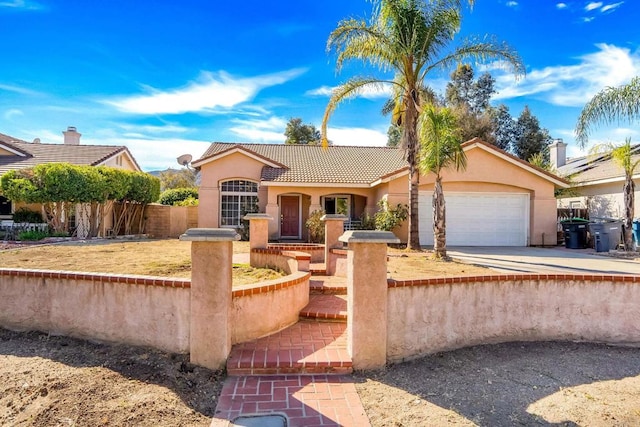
316	227
189	201
32	235
389	218
175	196
27	215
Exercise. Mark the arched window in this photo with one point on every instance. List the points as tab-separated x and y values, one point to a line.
237	198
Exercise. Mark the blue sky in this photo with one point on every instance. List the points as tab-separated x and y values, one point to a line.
166	77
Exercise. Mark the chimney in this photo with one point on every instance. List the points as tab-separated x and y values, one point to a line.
71	136
558	153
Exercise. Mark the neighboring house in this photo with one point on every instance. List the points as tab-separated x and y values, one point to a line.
498	200
17	154
597	181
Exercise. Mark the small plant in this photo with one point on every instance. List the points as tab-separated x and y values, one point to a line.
27	215
368	221
388	217
315	225
32	235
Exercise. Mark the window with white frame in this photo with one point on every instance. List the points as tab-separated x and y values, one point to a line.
337	205
237	198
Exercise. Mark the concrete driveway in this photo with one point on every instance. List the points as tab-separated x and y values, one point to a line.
543	260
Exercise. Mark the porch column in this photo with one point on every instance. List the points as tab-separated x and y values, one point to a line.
273	210
367	296
315	204
258	232
333	229
210	327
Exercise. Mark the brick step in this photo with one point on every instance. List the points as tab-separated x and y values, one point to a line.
308	347
328	285
326	308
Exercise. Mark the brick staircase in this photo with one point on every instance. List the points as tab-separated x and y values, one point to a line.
317	344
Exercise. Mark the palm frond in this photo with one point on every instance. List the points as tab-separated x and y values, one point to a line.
440	140
610	105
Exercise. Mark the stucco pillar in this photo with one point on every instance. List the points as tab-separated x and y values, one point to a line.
273	210
367	296
210	327
333	229
315	204
258	232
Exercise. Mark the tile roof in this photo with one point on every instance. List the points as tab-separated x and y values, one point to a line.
592	168
35	154
313	164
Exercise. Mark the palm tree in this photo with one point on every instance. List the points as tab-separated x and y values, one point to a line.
407	40
441	142
623	156
614	104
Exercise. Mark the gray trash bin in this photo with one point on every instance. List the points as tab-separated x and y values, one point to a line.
606	235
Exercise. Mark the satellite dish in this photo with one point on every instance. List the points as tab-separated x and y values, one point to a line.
36	141
185	159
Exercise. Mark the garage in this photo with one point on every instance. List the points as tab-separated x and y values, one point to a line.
478	219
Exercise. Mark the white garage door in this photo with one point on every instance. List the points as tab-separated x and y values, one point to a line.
478	219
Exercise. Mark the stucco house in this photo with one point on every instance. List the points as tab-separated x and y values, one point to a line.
17	154
499	200
597	181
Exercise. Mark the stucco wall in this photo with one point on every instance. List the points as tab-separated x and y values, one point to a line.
434	315
603	200
133	310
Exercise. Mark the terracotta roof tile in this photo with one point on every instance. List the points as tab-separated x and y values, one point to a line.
35	154
313	164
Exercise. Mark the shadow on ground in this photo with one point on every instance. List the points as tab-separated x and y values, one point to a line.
529	384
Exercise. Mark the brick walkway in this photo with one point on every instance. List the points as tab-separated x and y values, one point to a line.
300	372
306	400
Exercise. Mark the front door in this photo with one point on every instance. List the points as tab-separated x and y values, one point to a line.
290	217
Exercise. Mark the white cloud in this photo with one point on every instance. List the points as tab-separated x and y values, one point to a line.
357	136
371	92
512	3
18	89
574	85
611	7
587	19
211	91
153	129
11	113
257	130
21	4
561	6
593	5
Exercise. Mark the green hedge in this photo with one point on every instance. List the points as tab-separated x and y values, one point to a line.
176	196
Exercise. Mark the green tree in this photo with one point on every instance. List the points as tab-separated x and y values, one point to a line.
615	104
410	39
300	133
464	90
505	129
394	134
441	149
610	105
178	178
532	139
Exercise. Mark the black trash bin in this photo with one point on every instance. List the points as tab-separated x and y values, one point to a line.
575	233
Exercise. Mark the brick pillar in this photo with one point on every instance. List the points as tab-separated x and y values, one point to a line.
367	296
258	233
210	327
333	229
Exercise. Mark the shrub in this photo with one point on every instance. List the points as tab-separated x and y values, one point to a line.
175	196
189	201
32	235
389	218
27	215
316	227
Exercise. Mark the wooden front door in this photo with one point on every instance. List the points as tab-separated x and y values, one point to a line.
290	217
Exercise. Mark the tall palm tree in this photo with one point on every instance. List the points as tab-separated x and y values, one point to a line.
407	40
441	148
615	104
